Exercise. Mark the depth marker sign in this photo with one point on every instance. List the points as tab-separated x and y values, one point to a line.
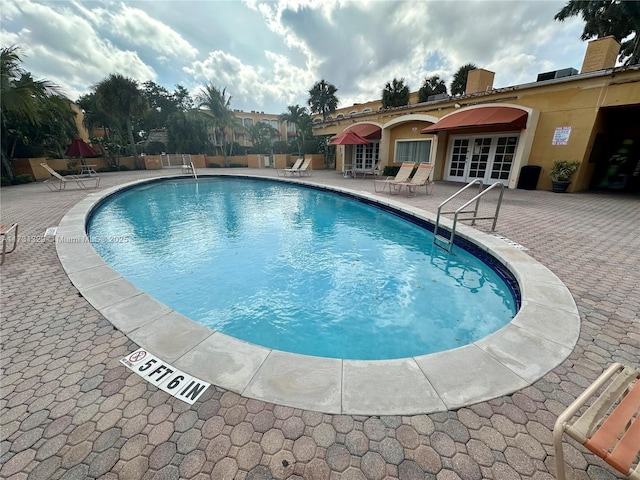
173	381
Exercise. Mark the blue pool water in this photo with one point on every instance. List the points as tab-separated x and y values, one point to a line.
299	269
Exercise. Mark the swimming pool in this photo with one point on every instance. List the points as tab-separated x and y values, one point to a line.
299	269
540	336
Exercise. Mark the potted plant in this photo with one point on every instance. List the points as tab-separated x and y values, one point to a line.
561	173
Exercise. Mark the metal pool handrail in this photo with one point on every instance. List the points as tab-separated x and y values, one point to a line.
449	241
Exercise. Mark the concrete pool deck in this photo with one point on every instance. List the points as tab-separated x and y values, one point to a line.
539	338
69	409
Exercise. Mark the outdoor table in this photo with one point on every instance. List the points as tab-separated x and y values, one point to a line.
88	170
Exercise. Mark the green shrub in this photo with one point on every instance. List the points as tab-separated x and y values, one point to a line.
213	165
66	171
124	168
5	182
27	178
562	170
237	165
390	171
155	148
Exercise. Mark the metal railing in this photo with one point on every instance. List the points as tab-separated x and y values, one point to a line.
441	240
190	168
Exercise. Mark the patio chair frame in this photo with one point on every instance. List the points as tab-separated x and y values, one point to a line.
610	427
59	182
5	230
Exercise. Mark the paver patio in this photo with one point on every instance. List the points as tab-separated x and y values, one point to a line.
69	409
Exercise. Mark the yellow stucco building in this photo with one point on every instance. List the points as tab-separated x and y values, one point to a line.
492	133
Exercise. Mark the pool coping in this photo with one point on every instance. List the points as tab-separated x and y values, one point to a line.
541	335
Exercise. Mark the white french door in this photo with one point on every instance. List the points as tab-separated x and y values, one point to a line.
485	157
365	157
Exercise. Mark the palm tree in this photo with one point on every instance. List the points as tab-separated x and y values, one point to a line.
609	17
119	98
459	82
25	104
395	94
322	99
219	112
294	116
260	136
432	86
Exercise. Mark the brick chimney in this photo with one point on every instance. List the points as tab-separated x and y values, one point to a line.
479	80
601	54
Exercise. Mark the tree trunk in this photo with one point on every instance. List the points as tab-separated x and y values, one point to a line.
6	164
133	145
224	149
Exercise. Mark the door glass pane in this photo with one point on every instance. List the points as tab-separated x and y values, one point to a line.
480	157
459	157
503	160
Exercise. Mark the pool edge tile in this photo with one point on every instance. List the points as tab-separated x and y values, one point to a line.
224	360
109	293
170	336
89	277
525	353
134	312
300	381
560	326
468	375
371	388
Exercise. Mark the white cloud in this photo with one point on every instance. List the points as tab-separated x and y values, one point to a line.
269	53
140	29
64	48
252	85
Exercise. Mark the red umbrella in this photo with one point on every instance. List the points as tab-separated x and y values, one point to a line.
80	148
348	138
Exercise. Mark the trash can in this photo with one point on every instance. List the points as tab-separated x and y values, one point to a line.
529	175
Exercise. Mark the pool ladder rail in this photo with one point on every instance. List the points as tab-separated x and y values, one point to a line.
190	168
446	242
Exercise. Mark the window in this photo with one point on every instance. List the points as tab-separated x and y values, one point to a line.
367	110
248	122
417	151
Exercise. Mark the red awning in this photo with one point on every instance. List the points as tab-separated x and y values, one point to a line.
500	118
366	130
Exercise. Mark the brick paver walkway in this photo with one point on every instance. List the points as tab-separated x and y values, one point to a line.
69	409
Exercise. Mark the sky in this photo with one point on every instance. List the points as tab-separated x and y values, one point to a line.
268	54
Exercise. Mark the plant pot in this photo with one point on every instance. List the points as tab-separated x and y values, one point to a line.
559	187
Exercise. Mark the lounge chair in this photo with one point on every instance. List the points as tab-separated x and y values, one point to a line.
305	168
610	427
402	176
5	230
59	182
375	171
422	178
292	170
